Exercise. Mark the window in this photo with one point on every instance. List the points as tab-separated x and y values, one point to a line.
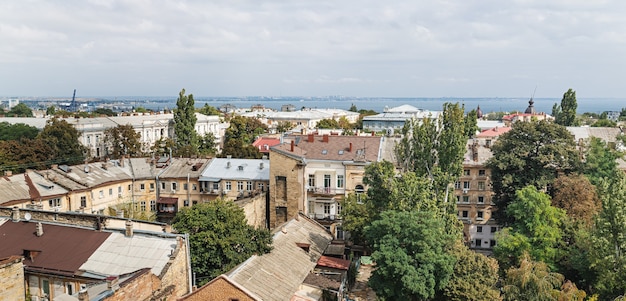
457	185
481	200
488	142
129	187
478	242
163	185
101	193
466	185
193	202
492	243
119	190
311	180
153	205
465	199
194	187
143	206
110	191
481	172
326	180
338	209
185	186
216	186
481	185
249	186
358	190
83	201
239	185
466	172
151	186
464	214
340	181
142	186
479	229
458	198
260	186
494	229
174	186
326	208
54	203
479	215
228	186
186	203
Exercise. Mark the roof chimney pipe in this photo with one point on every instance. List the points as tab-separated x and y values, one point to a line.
129	228
15	214
83	295
293	143
39	230
350	149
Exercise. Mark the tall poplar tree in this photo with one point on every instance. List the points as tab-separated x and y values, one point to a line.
184	125
565	114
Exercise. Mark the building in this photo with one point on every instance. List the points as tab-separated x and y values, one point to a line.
68	255
306	118
312	174
263	144
529	115
281	274
393	119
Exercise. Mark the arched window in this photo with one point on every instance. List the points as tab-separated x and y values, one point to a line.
358	190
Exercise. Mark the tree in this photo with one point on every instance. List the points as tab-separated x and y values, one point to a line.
471	124
284	126
123	140
209	110
104	111
19	155
345	124
608	258
531	153
474	277
538	222
219	237
17	131
20	110
604	123
533	281
565	114
410	249
50	110
577	196
352	108
207	144
63	138
185	125
600	161
327	124
240	135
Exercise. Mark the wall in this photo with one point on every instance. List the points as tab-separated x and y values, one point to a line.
254	208
176	272
12	277
218	290
140	287
291	197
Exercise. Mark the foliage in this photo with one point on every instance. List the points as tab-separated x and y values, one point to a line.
356	214
104	111
141	110
63	138
123	140
328	124
185	125
353	108
565	114
531	153
533	281
163	146
209	110
19	155
608	258
20	110
284	126
219	237
604	123
577	196
17	131
471	124
207	145
600	161
344	123
50	110
240	135
411	255
474	278
131	211
363	113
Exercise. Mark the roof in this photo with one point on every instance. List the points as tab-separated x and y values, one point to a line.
321	282
310	147
265	141
493	132
278	274
607	134
184	167
333	262
62	249
236	169
30	185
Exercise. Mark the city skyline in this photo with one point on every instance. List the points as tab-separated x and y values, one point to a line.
312	48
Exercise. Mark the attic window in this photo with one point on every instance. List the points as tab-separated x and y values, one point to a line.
304	246
240	167
324	152
46	186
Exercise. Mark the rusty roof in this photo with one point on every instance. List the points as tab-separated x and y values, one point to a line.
333	148
60	249
333	262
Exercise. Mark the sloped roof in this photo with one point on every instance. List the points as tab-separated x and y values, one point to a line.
333	262
493	132
364	148
236	169
184	167
278	274
30	185
607	134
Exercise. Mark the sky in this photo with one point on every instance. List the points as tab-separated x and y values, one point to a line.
365	48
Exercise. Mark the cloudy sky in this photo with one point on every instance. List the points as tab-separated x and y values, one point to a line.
399	48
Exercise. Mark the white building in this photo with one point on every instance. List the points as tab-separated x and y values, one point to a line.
393	119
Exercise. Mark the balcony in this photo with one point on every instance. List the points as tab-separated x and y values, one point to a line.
324	216
325	190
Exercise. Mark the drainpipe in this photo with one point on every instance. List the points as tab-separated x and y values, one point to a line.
190	286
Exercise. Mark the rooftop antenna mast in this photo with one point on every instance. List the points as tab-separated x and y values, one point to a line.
73	104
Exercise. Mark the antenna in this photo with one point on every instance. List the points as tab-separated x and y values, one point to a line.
533	96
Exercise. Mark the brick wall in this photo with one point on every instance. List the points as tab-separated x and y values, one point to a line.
138	288
12	278
218	290
289	197
176	272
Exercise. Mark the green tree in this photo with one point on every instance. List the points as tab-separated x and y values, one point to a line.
209	110
577	196
185	125
17	131
353	108
207	144
20	110
219	237
327	124
411	251
19	155
475	277
50	110
104	111
63	138
538	221
240	135
565	114
284	126
600	161
471	124
531	153
123	140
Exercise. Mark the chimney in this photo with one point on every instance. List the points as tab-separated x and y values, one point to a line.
228	164
293	143
325	138
120	213
373	133
15	214
350	150
261	165
39	229
122	161
83	295
311	138
112	283
129	229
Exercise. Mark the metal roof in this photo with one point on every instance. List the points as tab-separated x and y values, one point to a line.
236	169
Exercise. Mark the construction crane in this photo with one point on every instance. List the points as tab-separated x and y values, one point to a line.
73	104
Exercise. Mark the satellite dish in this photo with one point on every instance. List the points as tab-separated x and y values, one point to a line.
27	216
